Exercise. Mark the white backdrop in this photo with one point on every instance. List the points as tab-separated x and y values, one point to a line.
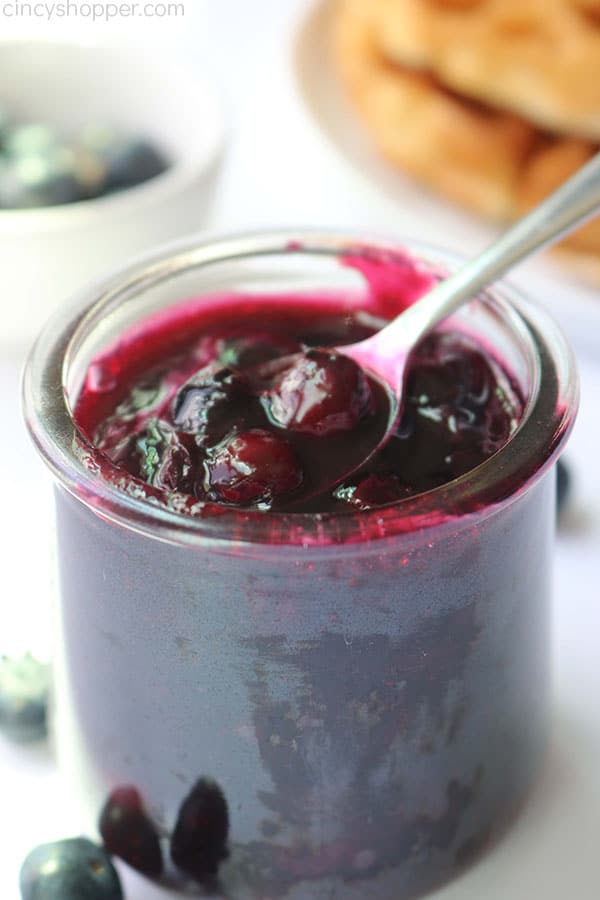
279	170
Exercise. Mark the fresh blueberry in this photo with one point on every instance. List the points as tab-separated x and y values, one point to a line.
24	687
74	869
31	139
128	832
320	393
40	167
199	841
251	467
5	127
34	181
131	161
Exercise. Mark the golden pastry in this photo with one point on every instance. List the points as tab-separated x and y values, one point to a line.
493	162
539	58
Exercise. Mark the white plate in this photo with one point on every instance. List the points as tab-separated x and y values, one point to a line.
405	207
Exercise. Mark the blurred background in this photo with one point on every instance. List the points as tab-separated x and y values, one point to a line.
123	128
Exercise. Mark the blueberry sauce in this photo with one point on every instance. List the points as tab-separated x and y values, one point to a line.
236	404
330	671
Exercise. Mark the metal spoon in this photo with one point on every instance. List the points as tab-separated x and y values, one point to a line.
386	353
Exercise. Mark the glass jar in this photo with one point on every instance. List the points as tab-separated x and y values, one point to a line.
369	690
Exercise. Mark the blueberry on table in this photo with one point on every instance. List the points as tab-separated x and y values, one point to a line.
320	393
128	832
73	869
24	688
199	840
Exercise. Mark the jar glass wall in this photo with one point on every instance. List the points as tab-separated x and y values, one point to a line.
370	690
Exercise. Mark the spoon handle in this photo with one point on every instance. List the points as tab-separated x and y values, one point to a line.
572	204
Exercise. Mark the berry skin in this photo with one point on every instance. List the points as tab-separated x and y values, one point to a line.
247	351
24	689
251	467
320	393
174	472
159	455
374	490
74	869
204	405
199	840
127	832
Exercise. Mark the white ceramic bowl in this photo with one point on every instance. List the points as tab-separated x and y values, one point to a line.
46	254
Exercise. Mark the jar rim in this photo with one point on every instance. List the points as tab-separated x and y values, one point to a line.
546	422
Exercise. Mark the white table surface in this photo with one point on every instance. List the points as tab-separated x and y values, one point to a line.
279	171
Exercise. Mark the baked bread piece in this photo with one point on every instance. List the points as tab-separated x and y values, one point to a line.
492	162
539	58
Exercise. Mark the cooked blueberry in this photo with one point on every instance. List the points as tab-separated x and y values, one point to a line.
164	459
175	470
204	405
74	869
265	415
374	490
250	350
158	454
128	832
320	393
450	371
251	467
563	485
431	384
24	687
453	387
199	841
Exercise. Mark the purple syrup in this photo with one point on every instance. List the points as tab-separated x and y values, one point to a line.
341	701
229	402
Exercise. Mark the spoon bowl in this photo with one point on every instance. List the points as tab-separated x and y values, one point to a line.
386	354
321	454
295	390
